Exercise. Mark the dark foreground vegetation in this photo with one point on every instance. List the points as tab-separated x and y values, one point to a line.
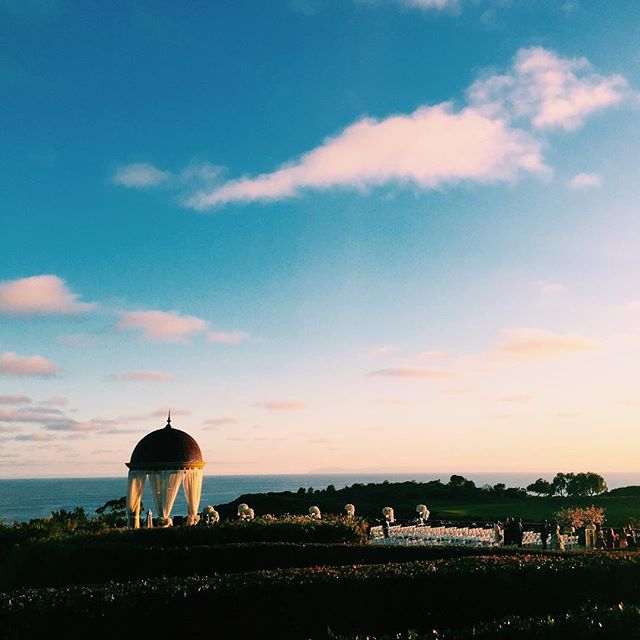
446	594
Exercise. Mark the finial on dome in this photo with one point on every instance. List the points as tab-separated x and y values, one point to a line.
169	420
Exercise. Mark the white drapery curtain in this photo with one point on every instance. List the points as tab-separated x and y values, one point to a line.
192	492
165	485
134	496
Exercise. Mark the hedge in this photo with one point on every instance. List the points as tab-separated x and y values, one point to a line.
93	561
302	603
283	529
587	623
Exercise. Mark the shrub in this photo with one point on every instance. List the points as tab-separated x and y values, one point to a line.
294	603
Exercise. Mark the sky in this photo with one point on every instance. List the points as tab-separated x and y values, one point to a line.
397	235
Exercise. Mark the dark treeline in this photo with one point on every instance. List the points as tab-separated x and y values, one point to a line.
570	484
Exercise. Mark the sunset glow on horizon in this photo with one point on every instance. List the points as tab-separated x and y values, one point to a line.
386	235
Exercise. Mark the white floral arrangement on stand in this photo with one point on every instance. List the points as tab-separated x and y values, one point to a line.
389	514
314	512
245	512
350	509
423	512
210	516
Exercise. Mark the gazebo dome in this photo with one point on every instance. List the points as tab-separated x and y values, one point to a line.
166	448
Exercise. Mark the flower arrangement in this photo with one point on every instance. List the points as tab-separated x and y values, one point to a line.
388	513
210	516
578	517
423	512
314	512
350	509
245	512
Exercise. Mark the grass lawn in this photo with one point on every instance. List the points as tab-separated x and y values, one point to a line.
619	510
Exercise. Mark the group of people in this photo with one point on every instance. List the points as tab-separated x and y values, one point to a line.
512	534
610	538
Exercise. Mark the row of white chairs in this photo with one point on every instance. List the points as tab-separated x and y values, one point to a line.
458	536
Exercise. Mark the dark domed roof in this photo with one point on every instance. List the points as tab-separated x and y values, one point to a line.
166	448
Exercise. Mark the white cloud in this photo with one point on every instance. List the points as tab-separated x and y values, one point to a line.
11	364
421	373
439	145
547	90
140	175
430	147
161	325
228	337
140	376
585	180
539	344
40	295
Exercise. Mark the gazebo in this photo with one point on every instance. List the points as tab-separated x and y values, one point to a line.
170	458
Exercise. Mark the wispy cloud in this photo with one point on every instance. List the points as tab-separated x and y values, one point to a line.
12	364
228	337
547	90
29	415
40	295
38	436
213	424
549	288
55	401
382	351
432	355
283	405
15	399
523	398
140	376
539	344
162	326
585	181
139	175
422	373
430	4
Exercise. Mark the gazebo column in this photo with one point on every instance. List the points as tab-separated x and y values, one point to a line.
192	492
134	496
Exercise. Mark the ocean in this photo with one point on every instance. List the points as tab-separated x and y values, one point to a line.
23	499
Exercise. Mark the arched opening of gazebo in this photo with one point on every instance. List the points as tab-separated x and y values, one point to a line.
169	458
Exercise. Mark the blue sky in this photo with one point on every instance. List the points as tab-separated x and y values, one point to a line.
327	233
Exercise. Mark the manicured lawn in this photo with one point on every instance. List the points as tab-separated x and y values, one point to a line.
619	510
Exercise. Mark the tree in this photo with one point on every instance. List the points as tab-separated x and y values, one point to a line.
541	487
498	489
331	489
460	482
114	512
586	484
560	484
